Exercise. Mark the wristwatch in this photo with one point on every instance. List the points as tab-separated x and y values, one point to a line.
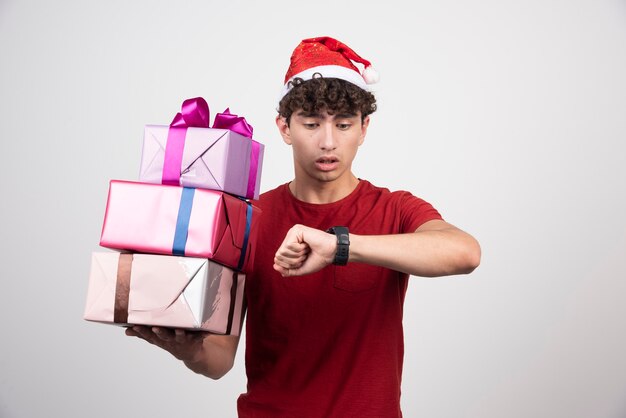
343	244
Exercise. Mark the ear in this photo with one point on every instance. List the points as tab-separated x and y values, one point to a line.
283	128
364	126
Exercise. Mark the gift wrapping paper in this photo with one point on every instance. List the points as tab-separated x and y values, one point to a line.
217	159
169	291
163	219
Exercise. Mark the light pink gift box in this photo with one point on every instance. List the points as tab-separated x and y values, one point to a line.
146	218
217	159
168	291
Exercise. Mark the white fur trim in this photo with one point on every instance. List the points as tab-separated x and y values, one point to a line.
370	75
328	71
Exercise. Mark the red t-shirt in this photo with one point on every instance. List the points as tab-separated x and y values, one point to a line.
329	344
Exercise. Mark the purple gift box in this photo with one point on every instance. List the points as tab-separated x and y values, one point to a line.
216	159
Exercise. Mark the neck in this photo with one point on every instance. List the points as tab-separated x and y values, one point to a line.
323	192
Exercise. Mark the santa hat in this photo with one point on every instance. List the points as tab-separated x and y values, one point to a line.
330	58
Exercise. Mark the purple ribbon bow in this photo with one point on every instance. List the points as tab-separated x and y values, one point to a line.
195	113
227	120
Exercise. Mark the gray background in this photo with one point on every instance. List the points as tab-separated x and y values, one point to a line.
508	116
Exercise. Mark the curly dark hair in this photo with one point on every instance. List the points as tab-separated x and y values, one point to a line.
333	95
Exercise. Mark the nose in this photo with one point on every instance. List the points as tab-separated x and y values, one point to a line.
328	140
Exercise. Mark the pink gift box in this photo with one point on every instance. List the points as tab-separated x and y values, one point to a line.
161	219
217	159
168	291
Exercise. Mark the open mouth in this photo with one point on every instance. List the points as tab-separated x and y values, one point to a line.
326	163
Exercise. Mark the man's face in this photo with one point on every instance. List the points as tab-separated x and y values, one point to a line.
324	145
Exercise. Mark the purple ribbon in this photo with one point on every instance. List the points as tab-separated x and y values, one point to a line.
195	113
227	120
254	165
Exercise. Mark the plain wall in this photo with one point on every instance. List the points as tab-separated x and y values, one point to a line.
508	116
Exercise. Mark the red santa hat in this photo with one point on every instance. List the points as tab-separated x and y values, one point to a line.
330	58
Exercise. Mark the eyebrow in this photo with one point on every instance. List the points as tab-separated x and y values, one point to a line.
304	114
345	115
319	115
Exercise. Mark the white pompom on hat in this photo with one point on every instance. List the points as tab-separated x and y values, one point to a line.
331	59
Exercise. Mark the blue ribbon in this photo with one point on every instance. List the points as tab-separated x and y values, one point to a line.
242	257
182	222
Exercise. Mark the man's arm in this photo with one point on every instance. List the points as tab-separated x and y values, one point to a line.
204	353
436	248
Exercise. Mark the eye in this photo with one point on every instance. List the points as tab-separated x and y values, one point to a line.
311	125
344	126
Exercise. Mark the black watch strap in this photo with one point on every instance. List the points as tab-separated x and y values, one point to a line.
343	244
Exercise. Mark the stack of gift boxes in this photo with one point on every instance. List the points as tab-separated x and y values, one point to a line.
184	234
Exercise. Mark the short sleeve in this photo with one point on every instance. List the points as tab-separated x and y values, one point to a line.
414	212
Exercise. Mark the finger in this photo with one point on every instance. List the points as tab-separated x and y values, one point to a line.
139	331
287	259
180	335
287	255
290	251
142	332
298	248
287	264
293	238
290	261
286	272
280	269
162	333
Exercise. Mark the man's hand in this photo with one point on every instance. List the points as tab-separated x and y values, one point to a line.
209	354
185	346
304	250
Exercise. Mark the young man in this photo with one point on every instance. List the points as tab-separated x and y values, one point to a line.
324	331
